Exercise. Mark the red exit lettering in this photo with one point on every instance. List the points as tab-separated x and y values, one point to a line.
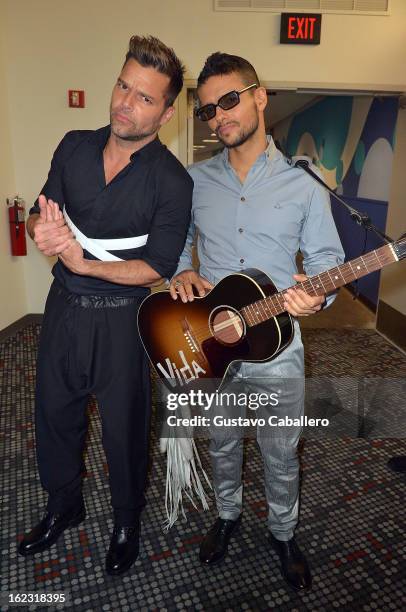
301	27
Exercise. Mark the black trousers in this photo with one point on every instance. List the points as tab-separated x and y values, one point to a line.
92	346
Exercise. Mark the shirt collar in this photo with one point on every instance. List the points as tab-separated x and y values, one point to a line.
100	137
148	151
271	152
269	155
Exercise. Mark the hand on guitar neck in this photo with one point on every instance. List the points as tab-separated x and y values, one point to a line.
300	304
297	303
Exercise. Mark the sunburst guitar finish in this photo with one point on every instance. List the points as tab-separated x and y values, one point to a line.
201	339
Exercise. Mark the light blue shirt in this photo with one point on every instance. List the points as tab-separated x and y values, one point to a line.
261	223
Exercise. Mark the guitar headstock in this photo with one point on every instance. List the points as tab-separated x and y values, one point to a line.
399	246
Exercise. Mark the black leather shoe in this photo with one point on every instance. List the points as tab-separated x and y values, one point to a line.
397	464
124	549
213	549
294	567
46	533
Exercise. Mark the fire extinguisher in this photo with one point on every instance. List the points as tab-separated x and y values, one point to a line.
16	214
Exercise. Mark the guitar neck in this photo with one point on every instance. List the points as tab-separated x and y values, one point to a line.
320	284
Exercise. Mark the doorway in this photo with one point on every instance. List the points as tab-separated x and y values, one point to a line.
348	136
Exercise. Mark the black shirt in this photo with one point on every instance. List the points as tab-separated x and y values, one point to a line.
151	195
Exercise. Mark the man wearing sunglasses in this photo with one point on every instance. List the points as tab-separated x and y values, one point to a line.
251	209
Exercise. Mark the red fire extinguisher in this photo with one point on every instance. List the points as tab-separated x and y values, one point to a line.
16	214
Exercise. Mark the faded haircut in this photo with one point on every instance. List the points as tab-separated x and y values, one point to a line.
149	51
222	63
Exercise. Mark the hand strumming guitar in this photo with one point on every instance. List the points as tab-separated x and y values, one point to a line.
182	284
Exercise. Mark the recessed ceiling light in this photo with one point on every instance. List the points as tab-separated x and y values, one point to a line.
208	140
199	146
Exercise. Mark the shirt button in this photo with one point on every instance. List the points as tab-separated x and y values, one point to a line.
241	261
240	230
242	199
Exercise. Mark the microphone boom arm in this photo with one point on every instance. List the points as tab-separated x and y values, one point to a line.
359	217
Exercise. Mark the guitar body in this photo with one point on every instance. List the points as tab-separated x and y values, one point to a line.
200	339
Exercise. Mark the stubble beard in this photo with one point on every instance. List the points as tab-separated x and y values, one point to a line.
134	134
242	136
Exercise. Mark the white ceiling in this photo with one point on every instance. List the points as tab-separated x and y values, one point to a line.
284	104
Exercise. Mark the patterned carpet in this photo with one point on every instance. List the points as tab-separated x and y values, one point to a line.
352	510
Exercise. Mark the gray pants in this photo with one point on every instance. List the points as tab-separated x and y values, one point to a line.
278	445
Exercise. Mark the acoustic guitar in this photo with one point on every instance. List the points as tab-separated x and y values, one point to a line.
241	319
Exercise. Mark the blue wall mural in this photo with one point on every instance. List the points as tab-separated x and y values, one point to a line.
351	140
328	123
369	173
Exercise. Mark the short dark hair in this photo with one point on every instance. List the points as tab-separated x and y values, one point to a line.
149	51
222	63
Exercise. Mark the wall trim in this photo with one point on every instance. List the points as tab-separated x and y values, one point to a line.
326	87
18	325
392	324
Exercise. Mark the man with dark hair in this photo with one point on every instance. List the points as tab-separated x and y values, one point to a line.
150	52
218	64
251	209
126	208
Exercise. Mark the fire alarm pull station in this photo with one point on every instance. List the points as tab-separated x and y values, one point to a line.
76	98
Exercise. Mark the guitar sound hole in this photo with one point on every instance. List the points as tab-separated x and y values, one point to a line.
227	325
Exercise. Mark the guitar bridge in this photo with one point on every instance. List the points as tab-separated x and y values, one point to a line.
190	338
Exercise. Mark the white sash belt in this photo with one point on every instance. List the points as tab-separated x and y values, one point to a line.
101	248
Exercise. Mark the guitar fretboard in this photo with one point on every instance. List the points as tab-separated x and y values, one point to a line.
323	283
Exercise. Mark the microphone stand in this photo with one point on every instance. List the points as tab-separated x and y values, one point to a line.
365	221
358	217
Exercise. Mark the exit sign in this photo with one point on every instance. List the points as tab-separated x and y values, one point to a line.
300	29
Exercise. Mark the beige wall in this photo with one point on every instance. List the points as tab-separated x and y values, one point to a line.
393	279
13	298
56	45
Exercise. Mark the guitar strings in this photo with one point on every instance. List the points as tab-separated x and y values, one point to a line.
271	302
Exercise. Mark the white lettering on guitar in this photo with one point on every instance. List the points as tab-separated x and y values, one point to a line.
184	374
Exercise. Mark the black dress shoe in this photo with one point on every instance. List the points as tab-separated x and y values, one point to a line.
213	549
124	549
398	464
46	533
294	567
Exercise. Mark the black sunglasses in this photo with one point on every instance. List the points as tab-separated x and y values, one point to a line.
226	102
